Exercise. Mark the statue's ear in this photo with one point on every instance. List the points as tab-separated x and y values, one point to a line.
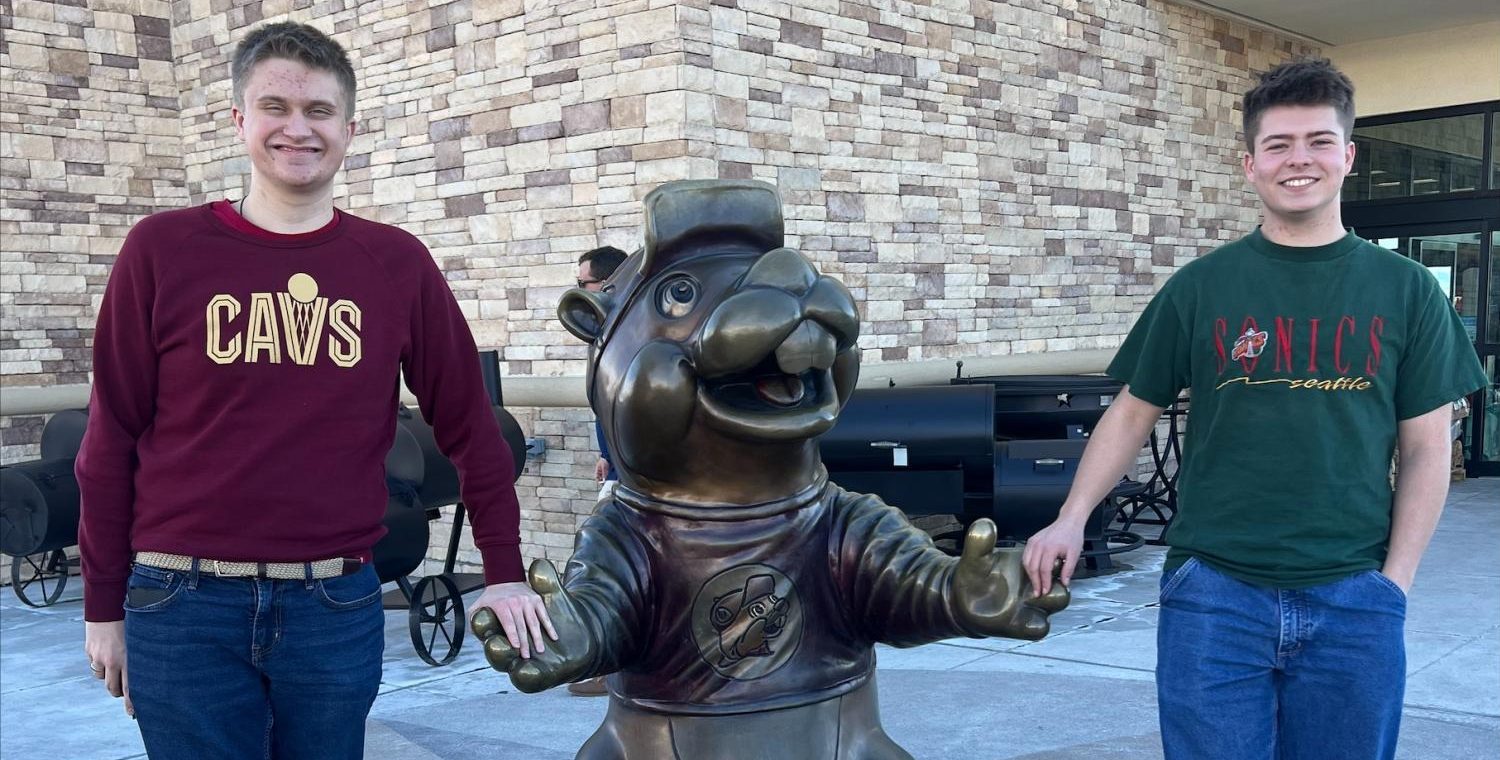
583	312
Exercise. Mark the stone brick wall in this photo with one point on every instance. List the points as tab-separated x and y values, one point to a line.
90	141
1004	178
988	178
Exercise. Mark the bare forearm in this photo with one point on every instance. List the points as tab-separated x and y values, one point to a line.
1421	489
1113	447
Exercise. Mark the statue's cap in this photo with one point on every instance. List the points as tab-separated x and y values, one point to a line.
697	217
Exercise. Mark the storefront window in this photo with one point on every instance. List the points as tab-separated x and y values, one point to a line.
1414	158
1492	300
1495	152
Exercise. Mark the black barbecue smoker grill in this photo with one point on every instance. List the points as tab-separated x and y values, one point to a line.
39	505
1000	447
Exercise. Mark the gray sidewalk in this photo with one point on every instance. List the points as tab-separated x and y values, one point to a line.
1084	692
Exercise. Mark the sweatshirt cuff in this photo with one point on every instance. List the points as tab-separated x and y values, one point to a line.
103	601
502	564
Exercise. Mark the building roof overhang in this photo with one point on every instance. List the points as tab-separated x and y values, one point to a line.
1340	22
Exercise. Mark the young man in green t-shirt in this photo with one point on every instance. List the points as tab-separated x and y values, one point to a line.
1310	356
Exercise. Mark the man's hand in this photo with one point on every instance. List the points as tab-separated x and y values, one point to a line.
104	643
991	595
565	661
519	612
601	470
1402	582
1062	540
1112	449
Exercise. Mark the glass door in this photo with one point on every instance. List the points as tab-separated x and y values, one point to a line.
1485	454
1453	259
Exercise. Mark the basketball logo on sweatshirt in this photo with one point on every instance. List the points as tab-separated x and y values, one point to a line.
292	322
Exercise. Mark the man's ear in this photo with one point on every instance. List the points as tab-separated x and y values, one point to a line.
583	313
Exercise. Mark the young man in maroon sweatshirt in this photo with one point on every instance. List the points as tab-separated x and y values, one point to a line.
246	372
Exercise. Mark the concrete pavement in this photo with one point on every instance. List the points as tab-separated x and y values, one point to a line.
1086	691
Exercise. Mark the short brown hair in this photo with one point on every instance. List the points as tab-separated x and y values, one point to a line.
603	261
1311	82
294	42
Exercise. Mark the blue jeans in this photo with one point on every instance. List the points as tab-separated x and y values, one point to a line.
1246	671
245	668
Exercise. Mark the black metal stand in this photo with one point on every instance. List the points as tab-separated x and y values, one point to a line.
48	571
435	606
1156	504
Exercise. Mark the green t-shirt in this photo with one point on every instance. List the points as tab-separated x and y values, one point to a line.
1300	363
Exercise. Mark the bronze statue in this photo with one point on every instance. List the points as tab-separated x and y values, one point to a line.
732	591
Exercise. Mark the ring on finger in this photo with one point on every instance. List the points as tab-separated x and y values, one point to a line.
96	667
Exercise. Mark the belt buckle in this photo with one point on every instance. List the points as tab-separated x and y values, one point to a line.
217	570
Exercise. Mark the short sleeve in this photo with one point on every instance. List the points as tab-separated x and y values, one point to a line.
1155	360
1438	363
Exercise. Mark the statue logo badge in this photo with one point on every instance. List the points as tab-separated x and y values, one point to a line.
747	621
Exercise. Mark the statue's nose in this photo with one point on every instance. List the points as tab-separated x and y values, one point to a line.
809	346
784	308
824	300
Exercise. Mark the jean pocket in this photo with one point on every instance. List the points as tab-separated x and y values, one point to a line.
1389	584
152	589
1171	581
350	592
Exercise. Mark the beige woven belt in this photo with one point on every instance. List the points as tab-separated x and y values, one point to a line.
286	571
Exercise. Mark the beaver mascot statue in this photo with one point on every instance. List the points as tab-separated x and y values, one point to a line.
734	593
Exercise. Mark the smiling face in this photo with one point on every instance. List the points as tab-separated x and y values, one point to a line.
1298	164
294	126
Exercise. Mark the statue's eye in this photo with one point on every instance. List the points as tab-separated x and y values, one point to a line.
677	296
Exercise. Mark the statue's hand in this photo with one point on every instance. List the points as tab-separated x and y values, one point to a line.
991	594
564	659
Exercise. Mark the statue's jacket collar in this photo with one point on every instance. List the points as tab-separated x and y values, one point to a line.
724	512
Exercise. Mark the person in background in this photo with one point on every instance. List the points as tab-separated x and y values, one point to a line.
594	268
1310	355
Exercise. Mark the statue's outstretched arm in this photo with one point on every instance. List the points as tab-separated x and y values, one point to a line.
905	592
597	611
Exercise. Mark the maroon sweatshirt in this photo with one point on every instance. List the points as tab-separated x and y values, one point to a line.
245	392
